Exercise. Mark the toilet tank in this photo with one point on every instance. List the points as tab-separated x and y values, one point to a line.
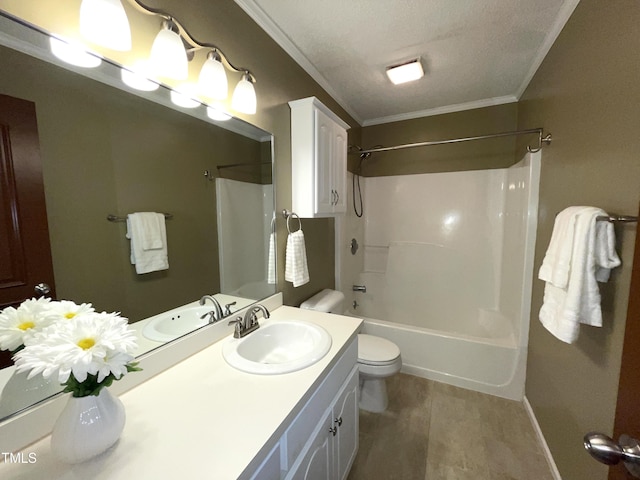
328	301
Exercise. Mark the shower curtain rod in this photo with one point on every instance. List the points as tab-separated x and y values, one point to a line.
541	140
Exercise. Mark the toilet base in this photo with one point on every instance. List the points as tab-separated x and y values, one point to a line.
373	395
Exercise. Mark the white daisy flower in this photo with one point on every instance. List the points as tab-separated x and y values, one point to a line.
18	325
66	310
89	344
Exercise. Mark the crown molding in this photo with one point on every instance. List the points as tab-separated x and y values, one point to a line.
487	102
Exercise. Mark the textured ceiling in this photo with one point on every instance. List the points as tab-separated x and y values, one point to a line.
475	53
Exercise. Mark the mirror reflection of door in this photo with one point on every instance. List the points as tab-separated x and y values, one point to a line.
627	421
25	254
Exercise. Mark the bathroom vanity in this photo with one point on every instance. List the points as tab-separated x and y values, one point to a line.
202	418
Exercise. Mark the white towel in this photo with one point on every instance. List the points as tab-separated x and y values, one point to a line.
271	261
581	253
148	235
296	269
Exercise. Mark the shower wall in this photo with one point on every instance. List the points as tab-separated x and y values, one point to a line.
435	238
245	211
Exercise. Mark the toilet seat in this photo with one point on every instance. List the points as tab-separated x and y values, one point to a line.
376	351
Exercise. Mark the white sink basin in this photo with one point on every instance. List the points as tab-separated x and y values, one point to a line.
278	347
171	325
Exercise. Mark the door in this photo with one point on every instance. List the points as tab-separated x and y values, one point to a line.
345	417
325	195
627	419
25	255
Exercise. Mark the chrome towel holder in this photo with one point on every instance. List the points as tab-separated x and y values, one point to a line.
287	215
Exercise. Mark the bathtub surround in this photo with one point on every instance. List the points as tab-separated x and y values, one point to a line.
447	262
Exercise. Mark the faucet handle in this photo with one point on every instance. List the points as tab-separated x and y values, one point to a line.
227	308
238	329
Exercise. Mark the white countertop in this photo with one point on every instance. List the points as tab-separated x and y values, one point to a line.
199	419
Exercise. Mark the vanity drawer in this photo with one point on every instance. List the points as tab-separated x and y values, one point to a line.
307	420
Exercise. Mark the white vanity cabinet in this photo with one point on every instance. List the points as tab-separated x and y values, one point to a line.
322	440
334	444
319	159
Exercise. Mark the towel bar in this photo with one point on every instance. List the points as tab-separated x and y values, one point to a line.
115	218
617	218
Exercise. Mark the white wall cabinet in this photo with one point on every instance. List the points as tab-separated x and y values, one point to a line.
319	159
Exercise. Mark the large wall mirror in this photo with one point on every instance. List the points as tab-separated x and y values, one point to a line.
106	150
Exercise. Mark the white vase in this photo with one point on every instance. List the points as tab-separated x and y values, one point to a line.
20	392
87	427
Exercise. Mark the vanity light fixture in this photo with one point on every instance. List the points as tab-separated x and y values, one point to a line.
212	82
105	23
185	96
405	72
138	77
244	96
73	53
217	114
168	56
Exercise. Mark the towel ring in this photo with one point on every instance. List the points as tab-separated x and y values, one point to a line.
299	222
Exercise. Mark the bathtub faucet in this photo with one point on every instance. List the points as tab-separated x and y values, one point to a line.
360	288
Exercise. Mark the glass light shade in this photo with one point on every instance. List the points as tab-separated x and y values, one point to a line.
105	22
407	72
168	56
73	53
185	96
138	77
244	96
212	82
216	114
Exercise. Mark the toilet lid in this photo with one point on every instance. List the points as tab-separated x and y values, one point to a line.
375	350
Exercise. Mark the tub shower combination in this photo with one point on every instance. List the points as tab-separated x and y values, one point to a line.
448	268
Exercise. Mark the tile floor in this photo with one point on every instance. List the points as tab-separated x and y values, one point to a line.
433	431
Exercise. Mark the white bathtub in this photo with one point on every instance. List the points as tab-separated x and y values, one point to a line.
456	359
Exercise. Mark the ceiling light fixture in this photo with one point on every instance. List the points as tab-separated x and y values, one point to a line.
405	72
105	23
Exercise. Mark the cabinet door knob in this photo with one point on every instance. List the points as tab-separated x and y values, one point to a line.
333	430
338	421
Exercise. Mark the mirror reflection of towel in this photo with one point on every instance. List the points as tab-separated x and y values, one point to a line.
148	235
296	269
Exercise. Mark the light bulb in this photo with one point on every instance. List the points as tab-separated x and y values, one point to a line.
244	96
73	53
168	56
212	82
105	22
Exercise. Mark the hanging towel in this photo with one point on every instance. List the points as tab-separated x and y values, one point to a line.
271	261
296	269
148	235
580	254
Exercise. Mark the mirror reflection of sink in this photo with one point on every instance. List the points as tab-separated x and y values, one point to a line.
278	347
175	323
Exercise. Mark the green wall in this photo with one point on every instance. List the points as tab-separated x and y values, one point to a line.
586	93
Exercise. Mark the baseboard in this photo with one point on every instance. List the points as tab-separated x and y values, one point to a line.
542	440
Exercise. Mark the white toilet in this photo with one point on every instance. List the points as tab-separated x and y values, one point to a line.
378	358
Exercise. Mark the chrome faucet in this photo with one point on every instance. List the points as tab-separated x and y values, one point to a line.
249	323
360	288
216	313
